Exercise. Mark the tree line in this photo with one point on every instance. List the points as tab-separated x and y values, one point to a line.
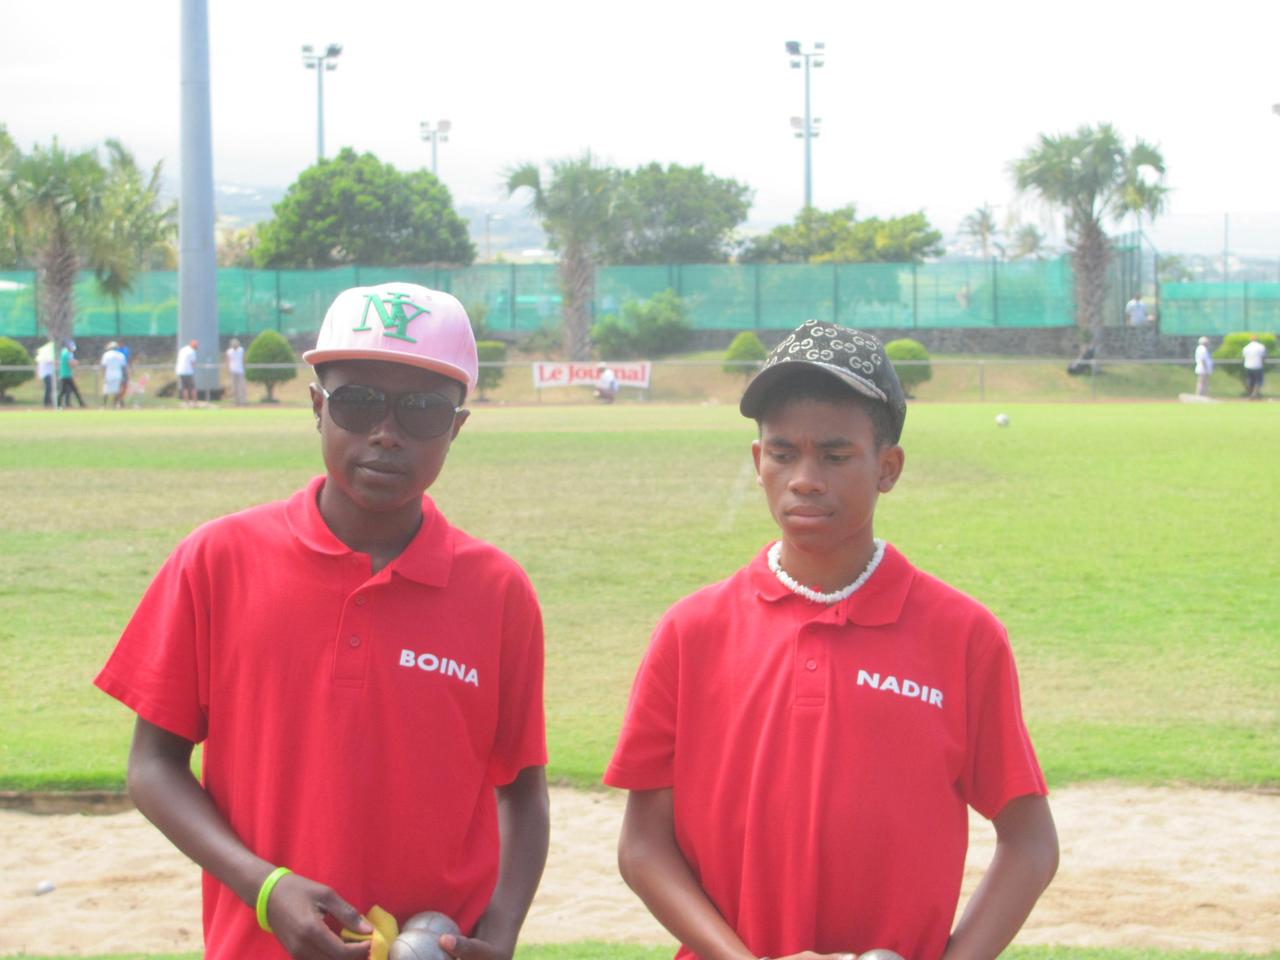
64	211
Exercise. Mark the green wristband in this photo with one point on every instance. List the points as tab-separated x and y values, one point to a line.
264	894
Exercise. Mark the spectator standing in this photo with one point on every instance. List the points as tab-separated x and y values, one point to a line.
235	367
124	380
113	363
45	367
185	368
1204	367
67	364
1255	353
1136	311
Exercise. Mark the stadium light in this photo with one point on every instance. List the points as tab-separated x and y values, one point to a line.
321	63
438	135
806	127
489	217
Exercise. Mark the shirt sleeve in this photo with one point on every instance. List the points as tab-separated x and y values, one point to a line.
160	665
1001	763
521	739
644	758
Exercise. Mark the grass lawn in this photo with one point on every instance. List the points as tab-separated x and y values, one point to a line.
1129	548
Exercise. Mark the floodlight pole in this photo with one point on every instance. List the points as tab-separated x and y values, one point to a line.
808	131
437	134
197	266
321	63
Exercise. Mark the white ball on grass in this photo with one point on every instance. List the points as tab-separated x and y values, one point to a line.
1002	420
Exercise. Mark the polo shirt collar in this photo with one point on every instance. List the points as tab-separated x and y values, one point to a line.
427	559
876	603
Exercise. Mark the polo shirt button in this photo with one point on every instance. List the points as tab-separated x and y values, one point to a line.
361	600
354	641
811	664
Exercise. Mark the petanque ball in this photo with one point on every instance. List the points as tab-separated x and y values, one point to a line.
432	920
880	953
420	937
417	945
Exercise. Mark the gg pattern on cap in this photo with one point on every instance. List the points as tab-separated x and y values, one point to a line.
854	357
860	353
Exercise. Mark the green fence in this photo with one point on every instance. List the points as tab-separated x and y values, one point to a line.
526	297
1215	308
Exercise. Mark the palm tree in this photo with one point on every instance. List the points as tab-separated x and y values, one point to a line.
1028	241
981	225
1092	176
70	212
576	205
133	228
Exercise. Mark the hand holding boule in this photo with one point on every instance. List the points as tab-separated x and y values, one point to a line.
420	937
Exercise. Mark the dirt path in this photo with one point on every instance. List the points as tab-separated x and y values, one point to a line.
1168	868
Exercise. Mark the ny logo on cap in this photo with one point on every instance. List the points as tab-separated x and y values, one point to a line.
391	311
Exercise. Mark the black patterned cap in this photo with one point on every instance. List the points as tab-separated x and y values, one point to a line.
855	358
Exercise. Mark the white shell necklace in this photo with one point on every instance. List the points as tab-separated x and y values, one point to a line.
836	596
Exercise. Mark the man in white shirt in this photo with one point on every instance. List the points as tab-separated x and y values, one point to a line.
45	369
1255	352
1204	367
1136	311
113	363
235	367
185	368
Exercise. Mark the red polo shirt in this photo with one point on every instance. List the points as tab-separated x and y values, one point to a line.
821	758
354	724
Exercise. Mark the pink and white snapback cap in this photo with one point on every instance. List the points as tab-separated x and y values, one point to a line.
399	323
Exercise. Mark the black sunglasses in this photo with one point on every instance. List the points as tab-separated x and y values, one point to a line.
358	409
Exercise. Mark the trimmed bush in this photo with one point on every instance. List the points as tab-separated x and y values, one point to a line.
269	347
1232	346
909	374
13	354
744	354
490	351
649	328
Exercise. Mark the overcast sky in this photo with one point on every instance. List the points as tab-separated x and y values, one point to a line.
923	104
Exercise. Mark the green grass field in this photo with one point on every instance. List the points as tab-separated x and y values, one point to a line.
1130	549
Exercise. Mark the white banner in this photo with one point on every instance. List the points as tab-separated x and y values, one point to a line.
630	374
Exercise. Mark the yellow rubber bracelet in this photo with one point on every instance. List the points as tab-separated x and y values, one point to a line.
264	894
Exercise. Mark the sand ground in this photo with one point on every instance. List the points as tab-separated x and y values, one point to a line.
1170	868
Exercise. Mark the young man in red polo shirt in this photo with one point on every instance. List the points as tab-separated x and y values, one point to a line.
804	739
365	678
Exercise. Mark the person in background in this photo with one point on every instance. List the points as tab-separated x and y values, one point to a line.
1136	311
185	368
1204	367
124	374
606	384
45	366
1255	353
67	364
235	367
113	365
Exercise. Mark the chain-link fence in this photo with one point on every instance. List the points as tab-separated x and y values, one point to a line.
526	297
520	298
